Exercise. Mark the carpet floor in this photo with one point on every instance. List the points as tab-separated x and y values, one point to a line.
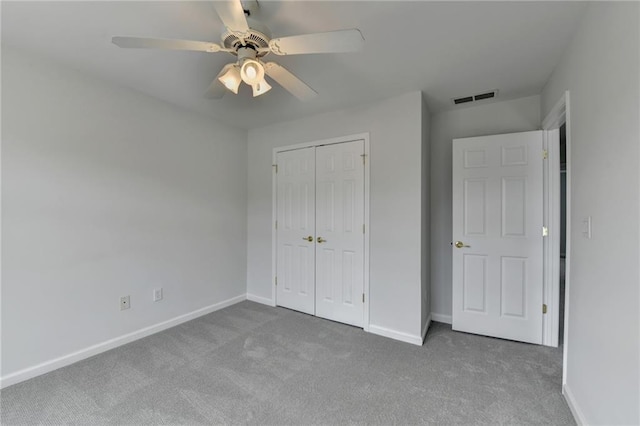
253	364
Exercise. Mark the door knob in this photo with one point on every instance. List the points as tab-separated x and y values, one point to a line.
309	238
321	240
460	244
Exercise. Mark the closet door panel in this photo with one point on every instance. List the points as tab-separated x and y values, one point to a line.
339	232
295	205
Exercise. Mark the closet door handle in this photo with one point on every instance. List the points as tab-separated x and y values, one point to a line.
309	238
321	240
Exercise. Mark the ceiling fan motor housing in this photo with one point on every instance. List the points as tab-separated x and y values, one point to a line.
256	38
245	53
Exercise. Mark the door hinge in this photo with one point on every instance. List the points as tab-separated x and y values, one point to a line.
363	228
276	279
276	224
362	297
544	309
545	231
364	156
276	167
545	154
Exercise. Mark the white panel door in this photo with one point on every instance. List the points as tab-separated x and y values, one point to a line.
295	204
497	236
340	234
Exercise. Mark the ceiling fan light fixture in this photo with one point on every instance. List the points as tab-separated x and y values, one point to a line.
252	72
230	77
261	88
250	41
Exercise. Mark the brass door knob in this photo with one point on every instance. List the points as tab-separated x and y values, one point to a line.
460	244
321	240
309	238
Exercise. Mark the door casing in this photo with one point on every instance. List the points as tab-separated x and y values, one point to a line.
348	138
559	115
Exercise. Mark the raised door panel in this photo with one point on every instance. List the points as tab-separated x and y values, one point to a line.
513	287
474	296
474	207
514	209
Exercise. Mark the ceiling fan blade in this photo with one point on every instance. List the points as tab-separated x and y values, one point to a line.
330	42
293	84
231	14
161	43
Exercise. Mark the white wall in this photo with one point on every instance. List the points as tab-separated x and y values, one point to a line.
518	115
106	192
601	70
395	216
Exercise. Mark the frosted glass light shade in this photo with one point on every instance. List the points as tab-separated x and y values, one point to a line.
230	77
261	88
252	72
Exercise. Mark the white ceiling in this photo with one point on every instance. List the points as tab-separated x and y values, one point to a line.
445	49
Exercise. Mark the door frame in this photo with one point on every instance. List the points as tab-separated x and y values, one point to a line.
274	193
559	115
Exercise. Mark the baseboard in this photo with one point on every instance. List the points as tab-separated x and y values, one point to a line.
63	361
396	335
259	299
578	416
426	328
441	318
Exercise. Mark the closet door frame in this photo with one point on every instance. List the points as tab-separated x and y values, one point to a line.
274	188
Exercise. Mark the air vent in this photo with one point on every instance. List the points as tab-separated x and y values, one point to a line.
485	96
463	100
475	98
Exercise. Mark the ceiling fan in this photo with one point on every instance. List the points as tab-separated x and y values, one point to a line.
250	41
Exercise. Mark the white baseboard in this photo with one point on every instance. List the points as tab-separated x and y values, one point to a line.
441	318
426	328
394	334
578	416
260	299
63	361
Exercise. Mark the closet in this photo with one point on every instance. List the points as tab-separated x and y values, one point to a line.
320	230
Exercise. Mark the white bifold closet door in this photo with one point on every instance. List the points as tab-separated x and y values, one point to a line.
320	231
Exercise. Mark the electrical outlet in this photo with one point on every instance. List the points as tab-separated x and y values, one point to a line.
157	294
125	303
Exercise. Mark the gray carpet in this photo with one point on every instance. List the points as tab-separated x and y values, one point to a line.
254	364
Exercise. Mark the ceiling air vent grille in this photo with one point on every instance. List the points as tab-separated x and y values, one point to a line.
463	100
474	98
484	96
